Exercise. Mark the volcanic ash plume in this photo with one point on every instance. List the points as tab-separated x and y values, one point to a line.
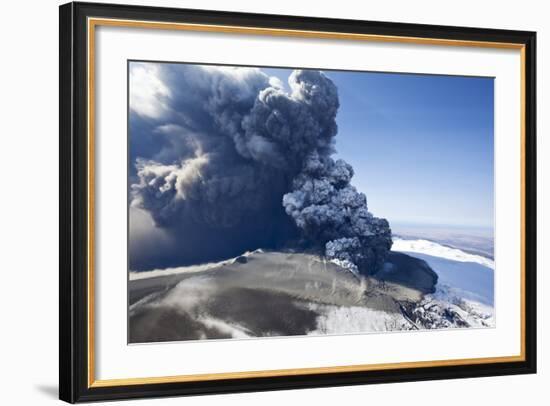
245	164
331	212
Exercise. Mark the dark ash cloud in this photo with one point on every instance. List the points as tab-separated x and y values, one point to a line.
231	162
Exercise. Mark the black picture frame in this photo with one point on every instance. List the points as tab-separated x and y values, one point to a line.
74	385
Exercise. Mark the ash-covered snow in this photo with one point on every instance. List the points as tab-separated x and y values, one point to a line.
278	293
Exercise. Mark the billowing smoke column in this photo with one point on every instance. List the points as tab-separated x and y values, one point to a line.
239	163
331	212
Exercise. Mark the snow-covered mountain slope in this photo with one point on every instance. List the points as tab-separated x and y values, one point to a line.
465	290
282	293
190	269
437	250
473	275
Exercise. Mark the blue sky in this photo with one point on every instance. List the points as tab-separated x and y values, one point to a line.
421	145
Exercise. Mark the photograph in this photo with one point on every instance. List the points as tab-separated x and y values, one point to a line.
254	201
291	201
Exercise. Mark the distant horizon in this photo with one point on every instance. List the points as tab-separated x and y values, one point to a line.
455	227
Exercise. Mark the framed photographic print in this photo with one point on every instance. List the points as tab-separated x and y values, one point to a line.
256	202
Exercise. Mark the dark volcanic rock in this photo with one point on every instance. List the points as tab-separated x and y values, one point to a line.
241	260
408	271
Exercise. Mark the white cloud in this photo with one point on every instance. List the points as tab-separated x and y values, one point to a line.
148	93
